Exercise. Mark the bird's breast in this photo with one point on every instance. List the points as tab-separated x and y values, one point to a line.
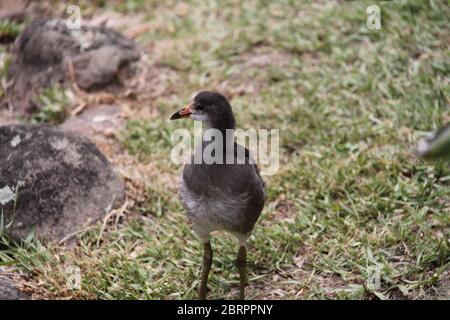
216	209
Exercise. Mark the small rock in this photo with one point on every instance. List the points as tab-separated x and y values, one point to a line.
96	122
48	53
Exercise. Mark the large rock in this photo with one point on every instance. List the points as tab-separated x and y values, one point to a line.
9	289
48	53
53	182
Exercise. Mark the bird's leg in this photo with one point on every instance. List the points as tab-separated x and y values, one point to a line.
207	262
241	262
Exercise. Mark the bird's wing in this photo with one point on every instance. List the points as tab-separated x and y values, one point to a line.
250	160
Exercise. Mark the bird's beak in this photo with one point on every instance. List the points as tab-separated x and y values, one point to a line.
183	113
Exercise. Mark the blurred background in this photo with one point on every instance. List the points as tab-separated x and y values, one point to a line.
352	213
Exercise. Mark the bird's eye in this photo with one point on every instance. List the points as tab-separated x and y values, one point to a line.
199	107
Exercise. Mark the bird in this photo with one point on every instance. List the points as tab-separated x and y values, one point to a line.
435	146
222	195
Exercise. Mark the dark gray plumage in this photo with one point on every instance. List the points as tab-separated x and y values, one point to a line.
220	196
226	197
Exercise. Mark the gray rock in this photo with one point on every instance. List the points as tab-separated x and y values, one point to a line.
9	289
97	122
48	53
53	182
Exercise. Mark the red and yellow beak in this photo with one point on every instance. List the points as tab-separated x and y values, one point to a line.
183	113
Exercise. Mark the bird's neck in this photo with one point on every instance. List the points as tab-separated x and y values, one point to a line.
223	128
224	123
212	134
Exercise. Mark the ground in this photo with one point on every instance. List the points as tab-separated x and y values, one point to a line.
350	199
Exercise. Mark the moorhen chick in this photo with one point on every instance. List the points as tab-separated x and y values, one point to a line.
220	195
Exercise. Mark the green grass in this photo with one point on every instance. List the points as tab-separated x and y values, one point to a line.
350	104
9	30
53	103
